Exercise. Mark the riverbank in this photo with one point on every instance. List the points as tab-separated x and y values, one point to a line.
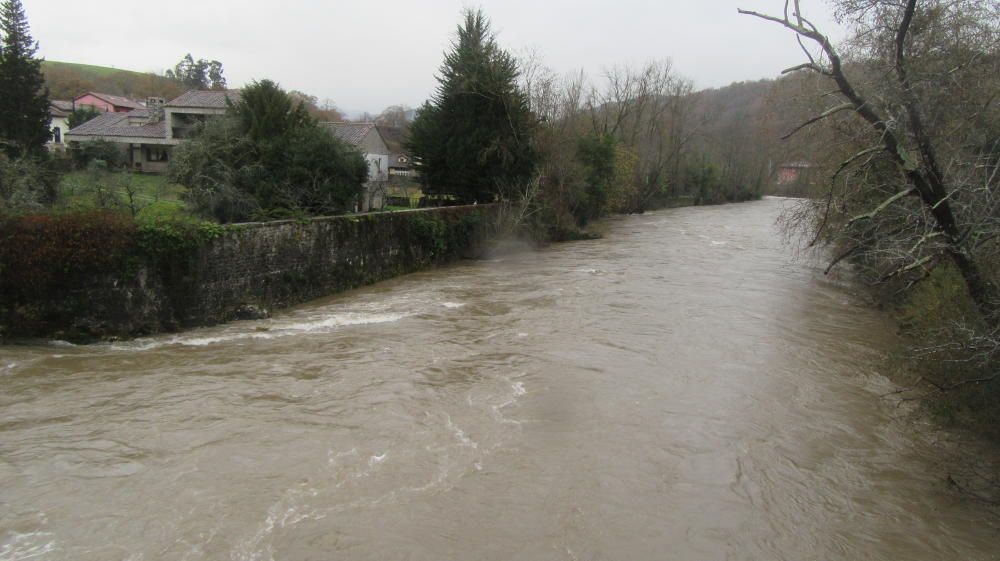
96	279
99	278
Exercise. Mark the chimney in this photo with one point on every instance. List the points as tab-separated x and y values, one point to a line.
155	106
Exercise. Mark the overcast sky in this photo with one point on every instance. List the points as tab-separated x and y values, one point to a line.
365	55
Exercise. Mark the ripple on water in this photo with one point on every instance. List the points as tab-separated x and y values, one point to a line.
614	399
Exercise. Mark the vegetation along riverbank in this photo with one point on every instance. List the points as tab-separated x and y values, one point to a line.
905	187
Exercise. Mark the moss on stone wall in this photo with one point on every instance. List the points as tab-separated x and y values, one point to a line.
164	276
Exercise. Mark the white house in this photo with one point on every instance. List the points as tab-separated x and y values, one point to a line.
367	138
59	112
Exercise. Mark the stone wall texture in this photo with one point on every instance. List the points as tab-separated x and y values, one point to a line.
250	269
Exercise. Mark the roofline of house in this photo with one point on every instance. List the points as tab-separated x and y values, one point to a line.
70	137
102	97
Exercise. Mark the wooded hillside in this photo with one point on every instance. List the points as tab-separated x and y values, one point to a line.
67	80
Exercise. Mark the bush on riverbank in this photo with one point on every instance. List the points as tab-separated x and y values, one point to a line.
42	255
948	353
267	158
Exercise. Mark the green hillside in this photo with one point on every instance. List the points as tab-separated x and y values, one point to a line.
67	80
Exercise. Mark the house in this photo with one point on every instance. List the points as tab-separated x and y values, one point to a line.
400	165
191	108
59	112
399	160
106	103
367	138
143	140
147	135
793	172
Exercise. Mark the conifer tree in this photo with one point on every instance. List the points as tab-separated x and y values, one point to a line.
24	110
476	133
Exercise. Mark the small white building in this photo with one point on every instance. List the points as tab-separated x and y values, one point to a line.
59	112
367	138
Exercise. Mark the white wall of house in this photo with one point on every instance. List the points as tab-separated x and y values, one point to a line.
58	140
378	167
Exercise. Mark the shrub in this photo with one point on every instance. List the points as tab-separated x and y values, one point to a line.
266	160
39	252
84	153
26	184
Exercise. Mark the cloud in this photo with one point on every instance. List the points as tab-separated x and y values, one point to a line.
368	55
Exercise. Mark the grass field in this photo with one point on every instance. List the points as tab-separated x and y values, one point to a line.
105	189
86	70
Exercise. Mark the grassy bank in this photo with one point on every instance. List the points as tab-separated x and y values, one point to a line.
90	189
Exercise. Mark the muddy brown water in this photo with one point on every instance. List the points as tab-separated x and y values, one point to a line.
681	389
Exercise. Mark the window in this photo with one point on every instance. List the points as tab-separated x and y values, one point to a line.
154	154
57	135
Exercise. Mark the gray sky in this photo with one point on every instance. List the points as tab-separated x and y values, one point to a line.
366	55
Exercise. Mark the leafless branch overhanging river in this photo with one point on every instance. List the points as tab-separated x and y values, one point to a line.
680	389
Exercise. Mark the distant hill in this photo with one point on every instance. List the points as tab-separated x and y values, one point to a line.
66	80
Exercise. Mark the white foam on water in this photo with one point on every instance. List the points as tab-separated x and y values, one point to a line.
31	545
519	388
718	243
460	435
276	330
452	304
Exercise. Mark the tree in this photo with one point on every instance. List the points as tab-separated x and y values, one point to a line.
395	117
81	115
477	132
24	113
266	112
328	112
923	163
266	158
201	74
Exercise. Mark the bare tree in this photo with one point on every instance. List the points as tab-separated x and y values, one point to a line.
922	185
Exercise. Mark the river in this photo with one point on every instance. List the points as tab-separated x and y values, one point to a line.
681	389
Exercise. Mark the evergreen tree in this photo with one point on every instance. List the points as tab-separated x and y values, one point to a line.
24	111
268	158
265	111
476	134
81	115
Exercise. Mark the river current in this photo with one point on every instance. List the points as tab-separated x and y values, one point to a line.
682	389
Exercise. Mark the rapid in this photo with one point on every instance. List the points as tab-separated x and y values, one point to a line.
684	388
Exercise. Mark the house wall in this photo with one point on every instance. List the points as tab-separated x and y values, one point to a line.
143	157
62	124
788	175
180	119
376	153
99	104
